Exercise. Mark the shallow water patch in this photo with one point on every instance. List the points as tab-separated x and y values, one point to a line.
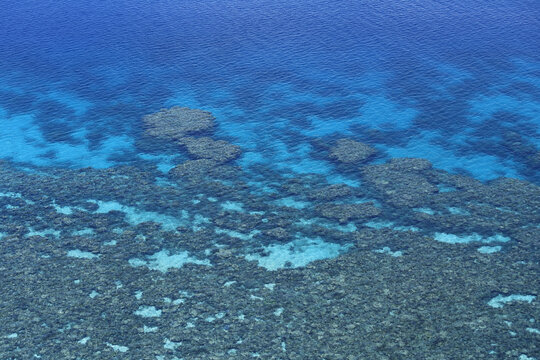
465	239
16	195
147	311
425	210
79	254
489	249
341	179
387	250
236	234
292	203
500	300
390	224
163	261
458	211
118	348
297	253
347	228
84	340
171	345
233	206
150	329
136	216
43	233
199	221
83	232
66	210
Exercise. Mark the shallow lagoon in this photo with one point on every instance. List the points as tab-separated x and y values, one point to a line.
356	185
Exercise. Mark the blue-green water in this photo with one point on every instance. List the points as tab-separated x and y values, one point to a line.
266	234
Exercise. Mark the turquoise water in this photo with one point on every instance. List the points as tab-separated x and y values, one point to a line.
283	222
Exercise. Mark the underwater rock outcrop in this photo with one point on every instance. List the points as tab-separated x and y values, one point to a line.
193	168
331	192
178	122
219	151
203	168
513	194
401	182
351	151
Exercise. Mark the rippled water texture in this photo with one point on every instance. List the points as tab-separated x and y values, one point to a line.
270	179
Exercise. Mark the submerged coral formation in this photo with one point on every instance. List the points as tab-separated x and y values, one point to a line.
401	182
178	122
351	151
207	148
131	262
207	155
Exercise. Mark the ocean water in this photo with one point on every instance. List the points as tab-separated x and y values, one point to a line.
109	251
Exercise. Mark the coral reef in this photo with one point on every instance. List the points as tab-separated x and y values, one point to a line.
211	262
402	182
177	122
219	151
351	151
345	212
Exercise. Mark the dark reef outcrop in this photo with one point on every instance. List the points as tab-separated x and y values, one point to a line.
178	122
219	151
351	152
402	181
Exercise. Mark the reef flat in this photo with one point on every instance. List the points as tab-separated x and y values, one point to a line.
209	261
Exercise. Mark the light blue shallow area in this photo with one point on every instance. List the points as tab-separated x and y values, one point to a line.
276	76
500	300
163	260
489	249
297	253
465	239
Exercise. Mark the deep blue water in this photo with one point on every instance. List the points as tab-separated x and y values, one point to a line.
443	80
